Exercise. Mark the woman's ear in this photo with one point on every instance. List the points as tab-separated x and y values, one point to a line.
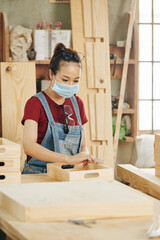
50	74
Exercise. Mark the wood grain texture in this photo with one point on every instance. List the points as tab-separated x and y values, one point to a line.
142	179
79	173
98	15
87	18
73	200
90	65
5	37
18	83
100	65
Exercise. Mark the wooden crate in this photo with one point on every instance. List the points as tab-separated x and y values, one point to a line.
80	173
9	156
10	177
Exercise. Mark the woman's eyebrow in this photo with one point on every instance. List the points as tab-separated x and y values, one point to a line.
69	77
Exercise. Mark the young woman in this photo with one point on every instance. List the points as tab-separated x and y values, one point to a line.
54	119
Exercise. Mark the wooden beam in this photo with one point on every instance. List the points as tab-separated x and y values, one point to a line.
142	179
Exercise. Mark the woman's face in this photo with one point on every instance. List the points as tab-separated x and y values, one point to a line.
69	73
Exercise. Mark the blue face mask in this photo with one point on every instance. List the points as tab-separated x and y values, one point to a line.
65	90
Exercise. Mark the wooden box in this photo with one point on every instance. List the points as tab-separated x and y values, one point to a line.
14	177
80	173
9	156
44	202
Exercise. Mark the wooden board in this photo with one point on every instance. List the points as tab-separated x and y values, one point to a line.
113	229
38	202
79	173
18	83
142	179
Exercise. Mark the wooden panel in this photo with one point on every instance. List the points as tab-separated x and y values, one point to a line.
101	116
157	137
98	12
1	37
92	115
142	179
87	18
18	84
89	65
100	65
73	200
5	38
80	173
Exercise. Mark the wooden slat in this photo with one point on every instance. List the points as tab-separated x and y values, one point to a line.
18	83
100	65
98	13
89	65
5	38
124	78
101	116
87	18
1	37
92	115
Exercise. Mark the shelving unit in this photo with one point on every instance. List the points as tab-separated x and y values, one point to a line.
131	83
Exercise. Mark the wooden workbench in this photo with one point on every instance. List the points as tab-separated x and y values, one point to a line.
127	228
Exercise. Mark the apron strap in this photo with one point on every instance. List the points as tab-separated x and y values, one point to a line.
45	105
76	109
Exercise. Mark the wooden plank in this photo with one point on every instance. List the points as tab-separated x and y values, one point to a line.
18	83
1	37
73	200
80	173
142	179
5	38
89	65
124	78
92	115
87	18
157	137
130	228
98	15
101	116
100	65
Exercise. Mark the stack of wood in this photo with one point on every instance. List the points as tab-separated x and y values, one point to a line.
157	155
9	162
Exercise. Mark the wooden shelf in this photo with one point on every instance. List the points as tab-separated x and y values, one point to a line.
57	1
131	61
129	139
124	111
42	62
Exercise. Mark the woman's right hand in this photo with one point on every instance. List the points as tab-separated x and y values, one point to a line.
81	157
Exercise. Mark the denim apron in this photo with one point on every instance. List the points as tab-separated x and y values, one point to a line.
55	139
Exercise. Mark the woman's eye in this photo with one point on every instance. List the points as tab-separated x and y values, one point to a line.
76	81
65	80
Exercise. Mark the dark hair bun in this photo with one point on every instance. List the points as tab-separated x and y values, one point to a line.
59	47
